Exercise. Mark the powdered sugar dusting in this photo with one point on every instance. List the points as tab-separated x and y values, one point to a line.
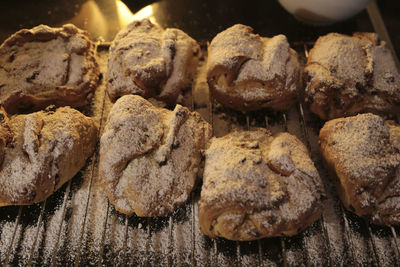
253	169
352	74
6	237
275	54
360	151
271	253
251	68
385	249
35	159
150	61
52	235
28	242
150	156
49	66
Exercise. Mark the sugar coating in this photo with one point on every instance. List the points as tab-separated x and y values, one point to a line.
150	156
47	149
347	75
152	62
44	65
251	68
257	185
364	152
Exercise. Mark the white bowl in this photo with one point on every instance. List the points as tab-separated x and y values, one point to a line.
323	12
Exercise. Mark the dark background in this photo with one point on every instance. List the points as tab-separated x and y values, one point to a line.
200	19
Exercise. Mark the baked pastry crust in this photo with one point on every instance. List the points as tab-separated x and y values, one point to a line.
47	66
42	151
363	153
150	156
347	75
5	133
249	72
257	185
149	61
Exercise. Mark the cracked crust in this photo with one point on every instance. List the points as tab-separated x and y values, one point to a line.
47	66
347	75
43	151
150	156
249	72
363	153
257	185
149	61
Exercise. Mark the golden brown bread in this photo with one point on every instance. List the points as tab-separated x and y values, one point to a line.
363	152
43	150
47	66
347	75
257	185
5	133
249	72
152	62
150	156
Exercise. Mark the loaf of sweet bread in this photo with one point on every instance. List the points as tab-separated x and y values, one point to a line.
347	75
258	185
47	66
248	72
363	153
41	151
149	61
150	156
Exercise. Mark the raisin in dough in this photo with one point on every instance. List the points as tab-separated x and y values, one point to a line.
258	185
249	72
149	61
47	66
363	152
41	151
150	156
347	75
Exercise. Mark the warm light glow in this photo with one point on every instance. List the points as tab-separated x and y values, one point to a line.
91	18
126	16
146	12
